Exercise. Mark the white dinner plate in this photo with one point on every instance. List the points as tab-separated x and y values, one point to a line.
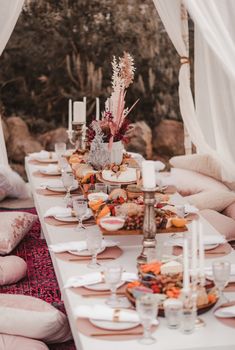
114	326
102	286
84	252
66	219
210	246
220	314
46	160
50	172
60	189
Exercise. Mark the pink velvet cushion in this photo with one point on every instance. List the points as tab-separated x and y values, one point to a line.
12	342
40	320
223	224
230	211
12	269
13	227
190	182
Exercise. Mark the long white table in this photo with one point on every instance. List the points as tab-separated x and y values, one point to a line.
215	336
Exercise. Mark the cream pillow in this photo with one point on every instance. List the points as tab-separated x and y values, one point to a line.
215	200
230	211
33	318
12	269
14	226
13	342
223	224
11	184
189	182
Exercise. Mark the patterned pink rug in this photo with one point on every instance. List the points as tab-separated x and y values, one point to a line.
40	281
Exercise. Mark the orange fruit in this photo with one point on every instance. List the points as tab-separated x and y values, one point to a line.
105	211
178	222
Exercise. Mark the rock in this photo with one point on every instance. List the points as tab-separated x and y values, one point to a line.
20	142
6	131
168	138
49	139
140	139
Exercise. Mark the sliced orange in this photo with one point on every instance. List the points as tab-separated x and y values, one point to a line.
178	222
105	211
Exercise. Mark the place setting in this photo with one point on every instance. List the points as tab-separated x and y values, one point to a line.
43	158
49	171
118	324
93	250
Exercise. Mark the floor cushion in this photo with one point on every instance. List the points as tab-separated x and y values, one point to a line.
230	211
41	320
11	184
13	227
215	200
12	342
190	182
223	224
12	269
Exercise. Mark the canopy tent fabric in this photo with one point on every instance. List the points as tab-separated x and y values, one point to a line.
9	13
213	22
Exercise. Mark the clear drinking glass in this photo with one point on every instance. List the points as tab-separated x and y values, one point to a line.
60	148
147	308
80	207
113	276
189	316
221	274
173	312
100	187
67	179
94	244
113	187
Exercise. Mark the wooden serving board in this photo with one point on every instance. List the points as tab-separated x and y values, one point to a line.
140	232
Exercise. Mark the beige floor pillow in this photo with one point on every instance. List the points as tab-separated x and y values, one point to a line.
12	342
12	185
13	227
12	269
30	317
223	224
215	200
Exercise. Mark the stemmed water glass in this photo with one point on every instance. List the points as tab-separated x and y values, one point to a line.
60	148
68	180
80	207
221	274
147	308
113	277
94	245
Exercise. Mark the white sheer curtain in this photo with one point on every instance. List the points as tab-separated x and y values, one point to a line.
170	12
9	13
215	75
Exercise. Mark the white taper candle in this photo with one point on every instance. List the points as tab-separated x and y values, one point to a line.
148	174
186	284
97	100
201	253
194	247
70	115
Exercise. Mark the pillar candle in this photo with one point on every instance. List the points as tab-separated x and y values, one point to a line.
201	252
148	174
70	115
79	112
194	247
186	285
97	108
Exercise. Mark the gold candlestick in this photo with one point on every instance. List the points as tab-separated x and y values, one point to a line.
149	226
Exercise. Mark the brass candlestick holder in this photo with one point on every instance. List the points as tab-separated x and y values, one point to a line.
149	226
76	135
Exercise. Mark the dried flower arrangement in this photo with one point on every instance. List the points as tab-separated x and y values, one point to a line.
114	123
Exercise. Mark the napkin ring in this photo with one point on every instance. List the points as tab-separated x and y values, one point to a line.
116	315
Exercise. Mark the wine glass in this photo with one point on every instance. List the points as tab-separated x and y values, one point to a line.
100	187
113	277
221	274
80	207
67	179
60	148
147	308
94	244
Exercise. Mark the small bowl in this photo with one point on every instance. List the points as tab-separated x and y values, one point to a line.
95	196
112	223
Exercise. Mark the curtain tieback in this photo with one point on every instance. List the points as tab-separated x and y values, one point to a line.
184	60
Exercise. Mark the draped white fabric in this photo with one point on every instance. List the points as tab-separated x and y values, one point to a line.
215	75
9	13
205	130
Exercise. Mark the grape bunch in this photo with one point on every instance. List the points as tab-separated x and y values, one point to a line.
134	222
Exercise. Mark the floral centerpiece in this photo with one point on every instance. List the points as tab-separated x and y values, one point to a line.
114	124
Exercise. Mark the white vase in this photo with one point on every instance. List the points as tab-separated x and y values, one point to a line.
116	152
